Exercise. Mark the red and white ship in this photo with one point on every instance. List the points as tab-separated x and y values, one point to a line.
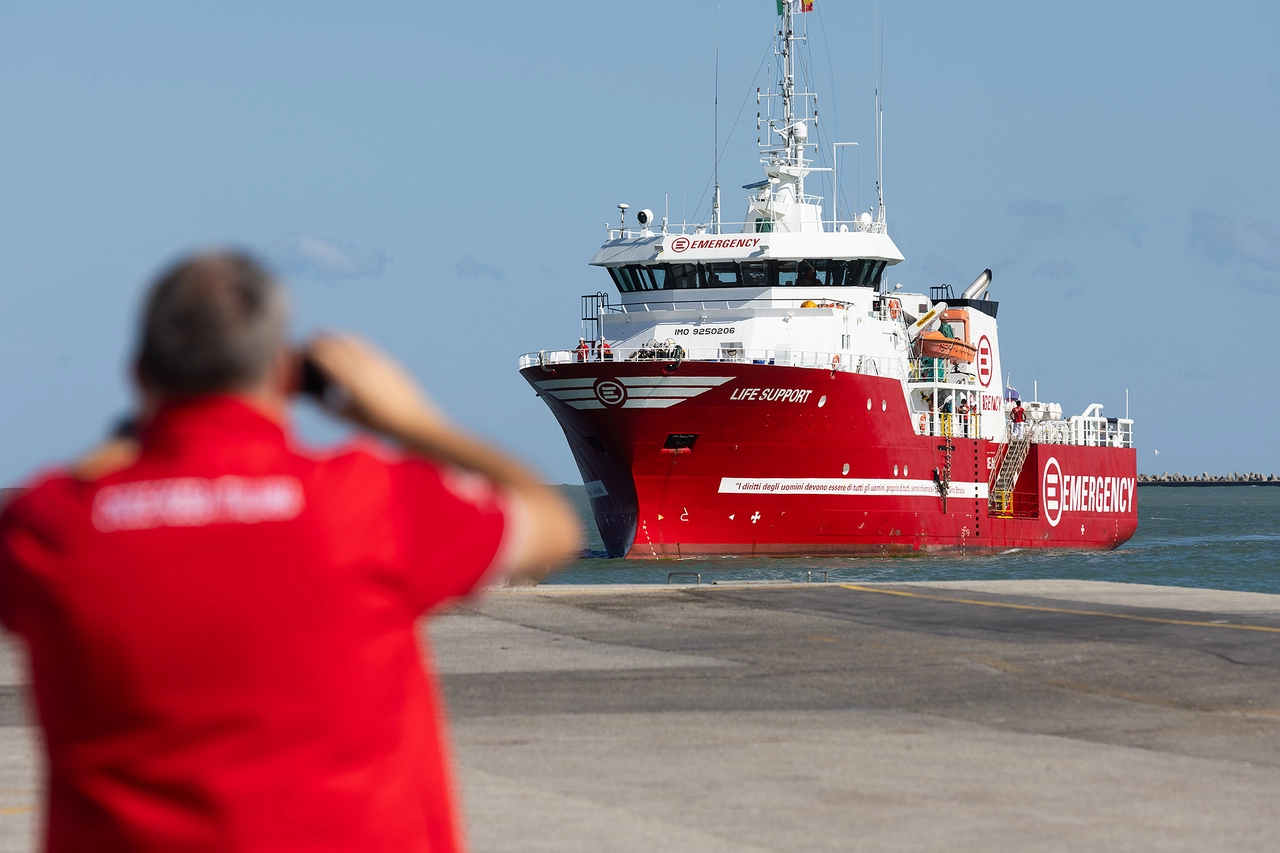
756	388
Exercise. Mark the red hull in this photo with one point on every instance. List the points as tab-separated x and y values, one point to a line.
835	471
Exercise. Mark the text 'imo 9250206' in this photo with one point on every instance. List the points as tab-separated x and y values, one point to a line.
756	389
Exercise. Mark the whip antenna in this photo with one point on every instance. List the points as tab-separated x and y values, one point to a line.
880	115
715	163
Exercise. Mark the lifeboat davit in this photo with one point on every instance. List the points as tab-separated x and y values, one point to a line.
938	345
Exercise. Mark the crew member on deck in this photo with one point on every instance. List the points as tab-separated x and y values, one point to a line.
606	354
583	350
1019	417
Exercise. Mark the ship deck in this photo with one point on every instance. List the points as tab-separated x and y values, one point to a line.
1027	715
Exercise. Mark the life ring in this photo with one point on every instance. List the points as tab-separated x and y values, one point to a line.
895	308
924	421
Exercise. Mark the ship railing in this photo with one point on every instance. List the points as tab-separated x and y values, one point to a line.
669	353
718	305
1081	431
937	371
1077	431
1100	432
826	226
949	424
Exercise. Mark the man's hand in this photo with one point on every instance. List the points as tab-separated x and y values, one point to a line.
378	392
113	455
382	396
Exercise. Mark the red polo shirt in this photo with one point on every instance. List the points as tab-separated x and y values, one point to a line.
223	641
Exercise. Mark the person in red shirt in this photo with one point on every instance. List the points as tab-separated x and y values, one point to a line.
221	625
1019	419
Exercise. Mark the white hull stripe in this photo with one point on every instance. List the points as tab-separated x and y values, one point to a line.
580	382
845	486
593	403
642	392
574	393
636	381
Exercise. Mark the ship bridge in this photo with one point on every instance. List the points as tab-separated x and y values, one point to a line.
700	259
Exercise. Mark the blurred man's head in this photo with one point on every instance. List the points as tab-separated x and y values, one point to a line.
213	323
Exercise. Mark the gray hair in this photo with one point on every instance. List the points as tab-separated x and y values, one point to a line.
212	322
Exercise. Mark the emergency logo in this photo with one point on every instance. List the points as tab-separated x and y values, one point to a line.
684	244
610	392
1062	492
1051	488
984	361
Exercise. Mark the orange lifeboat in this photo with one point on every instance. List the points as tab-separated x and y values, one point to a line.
957	348
938	345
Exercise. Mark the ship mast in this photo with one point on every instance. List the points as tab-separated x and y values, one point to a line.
794	146
794	129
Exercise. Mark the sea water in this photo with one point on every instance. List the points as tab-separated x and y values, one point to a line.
1220	537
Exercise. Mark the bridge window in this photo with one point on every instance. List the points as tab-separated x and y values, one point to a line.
819	272
865	273
799	273
754	275
681	276
647	278
722	275
816	273
832	272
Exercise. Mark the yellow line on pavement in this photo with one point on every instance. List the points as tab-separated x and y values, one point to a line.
1043	609
1017	671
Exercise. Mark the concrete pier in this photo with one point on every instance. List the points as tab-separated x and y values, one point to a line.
1027	715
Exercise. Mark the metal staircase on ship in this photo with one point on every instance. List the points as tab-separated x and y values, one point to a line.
1009	460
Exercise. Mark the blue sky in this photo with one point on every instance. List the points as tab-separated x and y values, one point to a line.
435	176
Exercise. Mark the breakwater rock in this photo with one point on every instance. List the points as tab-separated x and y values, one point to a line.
1252	478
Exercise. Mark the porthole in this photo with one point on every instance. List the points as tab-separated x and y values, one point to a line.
895	470
845	469
822	401
868	404
884	405
904	470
